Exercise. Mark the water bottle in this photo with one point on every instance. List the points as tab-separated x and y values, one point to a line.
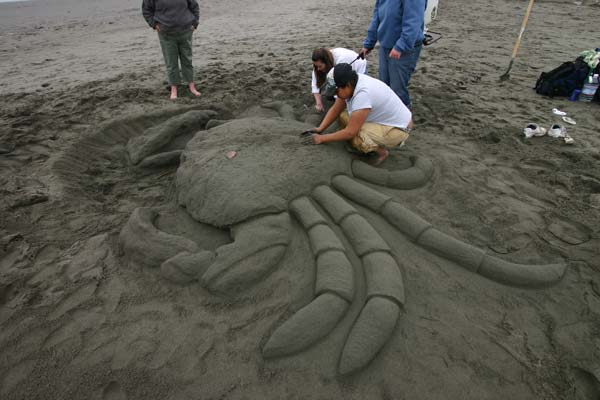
575	94
589	89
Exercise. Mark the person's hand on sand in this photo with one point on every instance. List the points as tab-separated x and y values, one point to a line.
311	136
317	138
157	28
395	54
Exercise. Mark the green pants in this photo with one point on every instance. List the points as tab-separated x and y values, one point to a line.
177	48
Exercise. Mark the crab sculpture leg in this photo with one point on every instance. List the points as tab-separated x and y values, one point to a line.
334	288
410	178
258	245
424	234
385	287
385	290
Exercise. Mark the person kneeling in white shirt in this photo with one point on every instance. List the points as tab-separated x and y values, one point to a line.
324	60
371	116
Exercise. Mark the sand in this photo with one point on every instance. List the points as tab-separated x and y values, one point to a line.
79	320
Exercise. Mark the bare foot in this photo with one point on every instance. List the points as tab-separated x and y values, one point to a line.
173	92
382	154
193	90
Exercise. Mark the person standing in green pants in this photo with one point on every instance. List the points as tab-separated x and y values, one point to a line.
175	22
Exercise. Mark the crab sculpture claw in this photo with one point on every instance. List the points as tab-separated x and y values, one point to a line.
258	245
155	147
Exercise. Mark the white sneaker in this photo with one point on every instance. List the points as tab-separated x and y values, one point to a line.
557	131
533	130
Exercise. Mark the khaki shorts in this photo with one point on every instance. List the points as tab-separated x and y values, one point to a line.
372	136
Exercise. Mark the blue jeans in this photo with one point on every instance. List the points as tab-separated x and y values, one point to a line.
397	73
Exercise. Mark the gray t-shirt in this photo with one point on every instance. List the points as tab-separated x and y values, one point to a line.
385	106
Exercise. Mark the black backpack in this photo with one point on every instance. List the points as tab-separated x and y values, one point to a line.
561	81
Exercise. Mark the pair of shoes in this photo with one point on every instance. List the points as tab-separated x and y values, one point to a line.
555	131
563	114
533	130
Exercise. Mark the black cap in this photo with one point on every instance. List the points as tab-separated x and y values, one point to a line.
343	74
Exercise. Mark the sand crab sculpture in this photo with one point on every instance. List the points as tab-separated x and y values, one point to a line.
272	182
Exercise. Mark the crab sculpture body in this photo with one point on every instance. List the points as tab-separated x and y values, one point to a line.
274	182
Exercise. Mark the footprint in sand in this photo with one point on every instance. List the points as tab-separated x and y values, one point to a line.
16	375
113	391
587	386
570	232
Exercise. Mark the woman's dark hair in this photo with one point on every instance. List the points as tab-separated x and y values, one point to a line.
326	57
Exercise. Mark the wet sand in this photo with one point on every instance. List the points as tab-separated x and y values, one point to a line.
80	322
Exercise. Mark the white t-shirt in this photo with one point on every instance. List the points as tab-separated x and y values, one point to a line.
341	55
385	106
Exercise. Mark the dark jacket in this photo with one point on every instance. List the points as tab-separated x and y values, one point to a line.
171	15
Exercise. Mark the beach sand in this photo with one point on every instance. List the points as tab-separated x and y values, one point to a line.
78	321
